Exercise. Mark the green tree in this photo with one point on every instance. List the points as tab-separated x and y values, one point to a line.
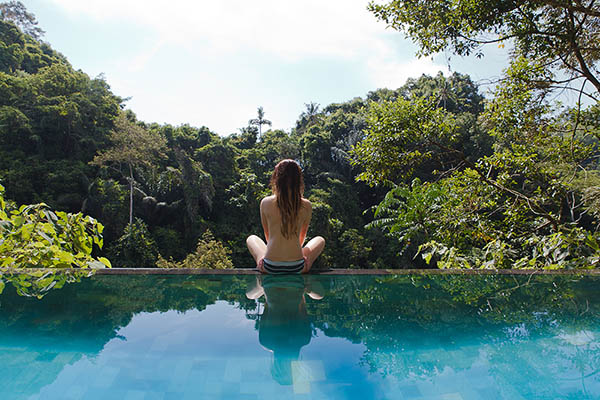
133	146
563	35
401	136
53	120
524	188
259	121
456	93
135	248
15	12
308	117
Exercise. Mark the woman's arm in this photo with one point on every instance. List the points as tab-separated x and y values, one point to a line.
263	220
305	223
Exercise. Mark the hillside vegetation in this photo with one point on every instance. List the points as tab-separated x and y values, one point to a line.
431	174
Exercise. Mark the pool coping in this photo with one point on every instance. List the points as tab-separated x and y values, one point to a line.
252	271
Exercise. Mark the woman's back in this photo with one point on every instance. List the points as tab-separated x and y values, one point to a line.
285	217
280	247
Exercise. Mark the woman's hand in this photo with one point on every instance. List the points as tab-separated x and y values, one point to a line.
307	265
260	265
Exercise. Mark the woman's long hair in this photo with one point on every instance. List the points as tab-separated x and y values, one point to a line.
288	185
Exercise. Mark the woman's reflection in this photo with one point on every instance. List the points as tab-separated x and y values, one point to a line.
284	326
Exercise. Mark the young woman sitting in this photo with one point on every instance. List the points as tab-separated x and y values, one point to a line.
285	216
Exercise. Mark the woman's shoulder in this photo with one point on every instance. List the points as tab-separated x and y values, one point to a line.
306	203
266	201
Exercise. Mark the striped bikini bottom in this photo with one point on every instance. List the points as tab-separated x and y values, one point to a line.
283	267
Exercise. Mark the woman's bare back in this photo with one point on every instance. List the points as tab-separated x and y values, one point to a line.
280	248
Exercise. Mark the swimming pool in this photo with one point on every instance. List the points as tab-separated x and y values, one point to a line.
317	337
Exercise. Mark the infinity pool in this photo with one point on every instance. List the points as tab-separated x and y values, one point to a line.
317	337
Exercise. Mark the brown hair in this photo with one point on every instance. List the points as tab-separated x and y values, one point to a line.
288	185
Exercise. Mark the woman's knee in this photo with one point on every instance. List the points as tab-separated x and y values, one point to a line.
319	241
250	239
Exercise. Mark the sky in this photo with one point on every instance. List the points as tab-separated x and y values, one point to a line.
213	63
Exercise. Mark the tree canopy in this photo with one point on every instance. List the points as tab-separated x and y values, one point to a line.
15	12
561	35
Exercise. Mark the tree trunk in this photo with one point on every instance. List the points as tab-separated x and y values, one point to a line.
130	195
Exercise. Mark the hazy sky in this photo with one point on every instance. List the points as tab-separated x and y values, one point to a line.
213	63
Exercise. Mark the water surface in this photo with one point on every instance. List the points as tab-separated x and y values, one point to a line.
317	337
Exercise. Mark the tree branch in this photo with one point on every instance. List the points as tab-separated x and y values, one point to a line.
532	204
575	47
571	7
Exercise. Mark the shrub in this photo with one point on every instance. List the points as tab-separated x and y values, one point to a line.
210	253
135	248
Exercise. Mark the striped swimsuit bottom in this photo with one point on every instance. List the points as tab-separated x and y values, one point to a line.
283	267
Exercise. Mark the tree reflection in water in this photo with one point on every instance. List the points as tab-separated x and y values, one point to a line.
540	333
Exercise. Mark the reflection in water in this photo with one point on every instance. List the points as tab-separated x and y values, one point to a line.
403	336
38	283
284	326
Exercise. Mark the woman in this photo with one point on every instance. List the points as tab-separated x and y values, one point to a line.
285	216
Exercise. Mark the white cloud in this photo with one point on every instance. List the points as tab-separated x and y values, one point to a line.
289	29
392	74
140	60
203	34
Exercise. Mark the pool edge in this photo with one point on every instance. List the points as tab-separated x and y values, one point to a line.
252	271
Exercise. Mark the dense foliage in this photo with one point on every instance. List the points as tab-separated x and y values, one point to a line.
431	168
36	236
66	140
529	200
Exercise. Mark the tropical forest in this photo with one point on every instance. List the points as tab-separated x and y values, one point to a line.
437	173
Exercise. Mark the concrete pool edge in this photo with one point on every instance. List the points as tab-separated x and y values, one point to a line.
252	271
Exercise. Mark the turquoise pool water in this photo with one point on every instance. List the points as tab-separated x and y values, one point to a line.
319	337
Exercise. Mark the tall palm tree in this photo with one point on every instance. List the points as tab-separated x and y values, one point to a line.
308	117
260	121
312	109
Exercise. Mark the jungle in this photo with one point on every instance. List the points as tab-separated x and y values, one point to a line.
433	174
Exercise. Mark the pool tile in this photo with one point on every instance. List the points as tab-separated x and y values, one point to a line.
233	370
134	395
305	372
212	386
231	389
301	387
508	391
27	375
46	357
410	392
308	371
266	389
212	368
68	357
106	377
196	379
451	396
154	395
489	393
75	392
100	394
257	370
179	374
